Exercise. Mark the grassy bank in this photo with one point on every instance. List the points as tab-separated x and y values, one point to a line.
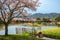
18	37
52	32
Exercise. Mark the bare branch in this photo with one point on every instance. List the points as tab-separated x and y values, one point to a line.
4	1
2	16
20	12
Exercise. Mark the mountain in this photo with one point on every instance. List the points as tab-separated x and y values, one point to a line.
40	15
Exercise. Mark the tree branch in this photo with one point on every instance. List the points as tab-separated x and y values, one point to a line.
2	15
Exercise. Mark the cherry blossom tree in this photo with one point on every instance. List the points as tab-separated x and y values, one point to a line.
10	9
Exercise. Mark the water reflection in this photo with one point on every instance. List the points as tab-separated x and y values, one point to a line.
12	29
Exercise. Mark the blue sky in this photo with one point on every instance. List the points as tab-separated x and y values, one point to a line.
48	6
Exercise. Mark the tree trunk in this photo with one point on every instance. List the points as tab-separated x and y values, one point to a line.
6	29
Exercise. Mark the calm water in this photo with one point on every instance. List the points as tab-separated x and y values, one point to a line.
12	29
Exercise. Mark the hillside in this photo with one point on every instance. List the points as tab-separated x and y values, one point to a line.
50	15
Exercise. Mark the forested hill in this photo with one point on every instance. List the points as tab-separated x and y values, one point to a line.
50	15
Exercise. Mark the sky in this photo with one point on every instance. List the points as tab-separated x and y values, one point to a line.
48	6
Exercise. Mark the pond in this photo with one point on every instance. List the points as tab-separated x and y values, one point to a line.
12	29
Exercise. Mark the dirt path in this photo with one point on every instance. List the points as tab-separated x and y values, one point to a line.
48	38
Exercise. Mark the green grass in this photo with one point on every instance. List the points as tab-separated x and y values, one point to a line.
52	32
18	37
